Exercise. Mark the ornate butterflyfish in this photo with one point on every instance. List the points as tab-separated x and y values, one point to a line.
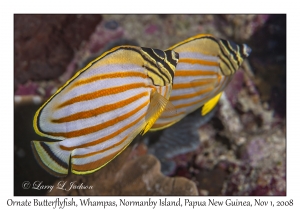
95	115
205	67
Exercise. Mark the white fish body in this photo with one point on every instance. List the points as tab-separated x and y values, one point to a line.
99	111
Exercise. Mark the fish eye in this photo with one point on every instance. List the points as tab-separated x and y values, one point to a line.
246	50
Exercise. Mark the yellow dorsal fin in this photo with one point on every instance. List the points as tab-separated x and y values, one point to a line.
208	106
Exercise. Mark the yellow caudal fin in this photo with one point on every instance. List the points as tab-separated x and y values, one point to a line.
208	106
158	103
51	157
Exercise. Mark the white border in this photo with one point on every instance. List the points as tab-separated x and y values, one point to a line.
138	7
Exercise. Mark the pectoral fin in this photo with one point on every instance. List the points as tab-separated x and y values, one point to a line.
169	111
158	104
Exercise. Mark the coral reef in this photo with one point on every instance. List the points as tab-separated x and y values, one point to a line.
45	44
129	175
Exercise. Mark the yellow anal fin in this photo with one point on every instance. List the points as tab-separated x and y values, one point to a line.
53	159
158	104
164	126
208	106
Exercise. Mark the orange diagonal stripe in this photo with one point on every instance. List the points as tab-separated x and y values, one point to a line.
189	73
197	61
110	136
188	85
99	110
192	103
100	151
108	76
99	93
191	95
101	126
95	164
